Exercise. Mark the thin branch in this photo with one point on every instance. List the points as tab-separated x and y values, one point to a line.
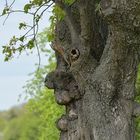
29	35
35	31
12	4
16	11
35	24
39	56
30	30
46	9
21	11
8	12
5	19
39	8
6	3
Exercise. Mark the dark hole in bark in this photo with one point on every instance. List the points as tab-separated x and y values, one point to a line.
75	54
73	51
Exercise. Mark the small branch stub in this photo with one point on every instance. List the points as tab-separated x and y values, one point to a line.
62	98
74	91
62	123
73	114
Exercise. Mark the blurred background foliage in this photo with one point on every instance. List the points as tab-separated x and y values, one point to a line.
137	120
36	119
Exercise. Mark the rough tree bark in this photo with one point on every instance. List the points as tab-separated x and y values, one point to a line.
97	60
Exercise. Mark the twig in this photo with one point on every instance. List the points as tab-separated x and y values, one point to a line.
12	4
6	3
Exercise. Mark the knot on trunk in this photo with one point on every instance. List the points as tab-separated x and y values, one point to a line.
62	123
66	88
58	79
73	114
62	97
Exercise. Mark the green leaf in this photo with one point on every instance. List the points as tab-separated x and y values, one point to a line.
37	18
58	12
50	36
69	1
6	58
37	2
13	41
27	7
20	49
5	10
30	44
22	25
22	38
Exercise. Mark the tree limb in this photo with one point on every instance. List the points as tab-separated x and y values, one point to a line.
87	13
69	20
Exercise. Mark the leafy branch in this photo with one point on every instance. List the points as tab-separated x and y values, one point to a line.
36	9
28	40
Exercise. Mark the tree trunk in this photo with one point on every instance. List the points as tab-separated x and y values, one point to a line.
97	60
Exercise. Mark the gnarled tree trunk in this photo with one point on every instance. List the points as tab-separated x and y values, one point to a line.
97	60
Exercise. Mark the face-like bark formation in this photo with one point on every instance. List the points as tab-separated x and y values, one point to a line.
96	73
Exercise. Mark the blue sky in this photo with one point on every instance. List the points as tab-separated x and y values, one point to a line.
14	74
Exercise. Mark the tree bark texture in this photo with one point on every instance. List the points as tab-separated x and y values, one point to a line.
96	69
